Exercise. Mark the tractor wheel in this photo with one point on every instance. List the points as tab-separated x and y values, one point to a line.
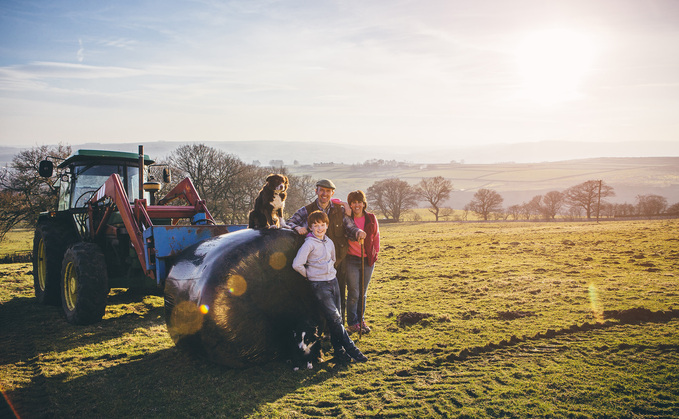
84	284
50	241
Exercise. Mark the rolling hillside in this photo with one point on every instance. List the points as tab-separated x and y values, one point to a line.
518	183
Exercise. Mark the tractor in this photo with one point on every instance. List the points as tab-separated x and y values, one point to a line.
230	292
108	231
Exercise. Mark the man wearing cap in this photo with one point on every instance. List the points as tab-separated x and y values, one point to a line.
341	226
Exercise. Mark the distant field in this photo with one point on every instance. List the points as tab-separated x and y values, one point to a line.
17	240
470	320
518	183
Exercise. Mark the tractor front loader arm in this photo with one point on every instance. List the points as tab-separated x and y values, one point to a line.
185	189
138	220
133	219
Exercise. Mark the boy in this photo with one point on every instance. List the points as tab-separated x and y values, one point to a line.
315	260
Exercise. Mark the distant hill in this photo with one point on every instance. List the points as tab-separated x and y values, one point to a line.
518	172
517	182
309	153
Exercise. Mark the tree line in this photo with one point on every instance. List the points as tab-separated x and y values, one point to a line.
394	197
230	187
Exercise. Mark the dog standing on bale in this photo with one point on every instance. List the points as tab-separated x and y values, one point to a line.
268	211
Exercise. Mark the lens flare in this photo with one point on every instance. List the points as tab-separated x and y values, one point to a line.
187	319
594	303
236	285
277	260
204	308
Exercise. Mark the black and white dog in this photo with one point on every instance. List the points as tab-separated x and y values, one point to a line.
305	346
268	211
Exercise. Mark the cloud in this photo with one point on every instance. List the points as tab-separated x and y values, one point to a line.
41	70
81	51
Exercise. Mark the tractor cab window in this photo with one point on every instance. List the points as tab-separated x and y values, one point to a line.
89	178
64	194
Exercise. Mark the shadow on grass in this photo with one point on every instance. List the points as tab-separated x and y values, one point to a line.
28	327
167	382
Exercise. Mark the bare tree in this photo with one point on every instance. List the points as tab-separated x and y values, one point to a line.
302	190
534	206
587	195
24	192
220	179
673	209
514	211
447	213
392	197
648	205
608	209
434	190
485	202
624	210
552	203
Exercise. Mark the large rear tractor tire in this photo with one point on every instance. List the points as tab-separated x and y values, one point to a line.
50	241
84	284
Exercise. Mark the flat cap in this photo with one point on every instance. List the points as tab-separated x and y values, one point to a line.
325	183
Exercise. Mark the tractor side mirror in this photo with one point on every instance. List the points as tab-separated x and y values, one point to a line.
167	175
46	168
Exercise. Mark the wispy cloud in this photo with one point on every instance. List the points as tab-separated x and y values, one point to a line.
42	70
81	51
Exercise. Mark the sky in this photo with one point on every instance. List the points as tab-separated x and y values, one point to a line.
388	73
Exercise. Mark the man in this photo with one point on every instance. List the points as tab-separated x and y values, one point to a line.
341	226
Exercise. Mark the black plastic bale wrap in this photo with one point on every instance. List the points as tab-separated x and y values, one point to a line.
233	297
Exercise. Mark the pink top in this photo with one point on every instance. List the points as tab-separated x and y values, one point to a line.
354	246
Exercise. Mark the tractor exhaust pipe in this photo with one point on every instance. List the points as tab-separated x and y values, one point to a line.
141	172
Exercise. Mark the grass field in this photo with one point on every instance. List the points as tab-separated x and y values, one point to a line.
469	320
17	240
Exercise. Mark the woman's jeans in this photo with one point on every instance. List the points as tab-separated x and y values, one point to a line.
328	296
353	272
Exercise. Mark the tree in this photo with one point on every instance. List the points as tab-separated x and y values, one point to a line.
651	204
220	179
514	211
587	195
623	210
673	209
434	190
301	191
534	207
485	202
552	203
24	194
392	197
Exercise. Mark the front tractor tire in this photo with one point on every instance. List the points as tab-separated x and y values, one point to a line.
84	284
50	241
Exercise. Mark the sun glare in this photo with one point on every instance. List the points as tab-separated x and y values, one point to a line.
552	64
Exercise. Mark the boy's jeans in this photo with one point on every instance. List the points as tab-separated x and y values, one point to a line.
353	268
328	297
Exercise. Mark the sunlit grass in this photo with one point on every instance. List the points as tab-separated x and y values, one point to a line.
17	240
539	288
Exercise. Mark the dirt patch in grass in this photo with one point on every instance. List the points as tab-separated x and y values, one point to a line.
411	318
513	315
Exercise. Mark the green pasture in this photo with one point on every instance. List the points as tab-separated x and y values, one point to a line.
17	240
469	320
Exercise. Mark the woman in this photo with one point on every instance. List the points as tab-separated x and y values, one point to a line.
367	222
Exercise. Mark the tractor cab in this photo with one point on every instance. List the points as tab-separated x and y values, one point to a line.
86	170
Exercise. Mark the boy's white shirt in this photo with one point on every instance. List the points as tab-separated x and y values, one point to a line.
315	260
